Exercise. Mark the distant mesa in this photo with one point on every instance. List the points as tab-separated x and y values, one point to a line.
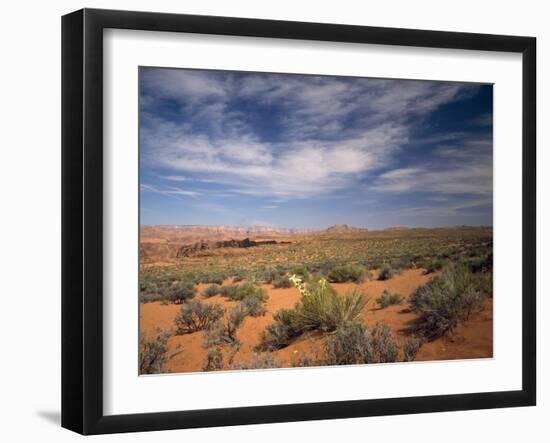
222	231
203	246
344	229
165	243
397	228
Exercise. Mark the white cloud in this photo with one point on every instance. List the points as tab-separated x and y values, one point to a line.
295	169
465	168
333	131
175	178
468	208
169	191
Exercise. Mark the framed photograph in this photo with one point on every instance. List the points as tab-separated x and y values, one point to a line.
269	221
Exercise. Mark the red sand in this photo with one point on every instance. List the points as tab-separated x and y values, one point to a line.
473	339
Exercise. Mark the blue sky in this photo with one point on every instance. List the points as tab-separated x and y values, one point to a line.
237	148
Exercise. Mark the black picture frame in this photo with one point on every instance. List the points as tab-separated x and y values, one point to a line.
82	218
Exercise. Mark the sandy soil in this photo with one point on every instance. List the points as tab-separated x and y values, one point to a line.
473	339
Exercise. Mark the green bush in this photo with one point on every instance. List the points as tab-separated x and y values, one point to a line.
353	343
386	273
350	344
433	266
214	360
411	347
196	316
384	346
240	292
180	292
389	298
300	271
239	276
282	281
348	273
276	336
484	283
212	290
448	300
152	353
213	277
319	308
322	308
482	264
268	275
254	306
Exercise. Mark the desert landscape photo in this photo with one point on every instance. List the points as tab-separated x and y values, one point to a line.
294	221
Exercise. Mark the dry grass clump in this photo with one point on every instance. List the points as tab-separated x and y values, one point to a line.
388	298
212	290
348	273
387	272
282	281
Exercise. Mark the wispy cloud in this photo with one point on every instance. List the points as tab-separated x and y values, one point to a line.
169	191
175	178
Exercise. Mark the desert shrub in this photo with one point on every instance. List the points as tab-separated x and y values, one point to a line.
384	346
258	361
350	344
214	360
282	281
433	266
481	264
320	308
213	277
302	359
254	306
389	298
353	343
240	292
346	273
268	275
300	271
196	316
484	283
411	347
239	276
150	296
325	267
152	355
212	290
276	336
225	331
180	292
386	273
225	290
447	300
